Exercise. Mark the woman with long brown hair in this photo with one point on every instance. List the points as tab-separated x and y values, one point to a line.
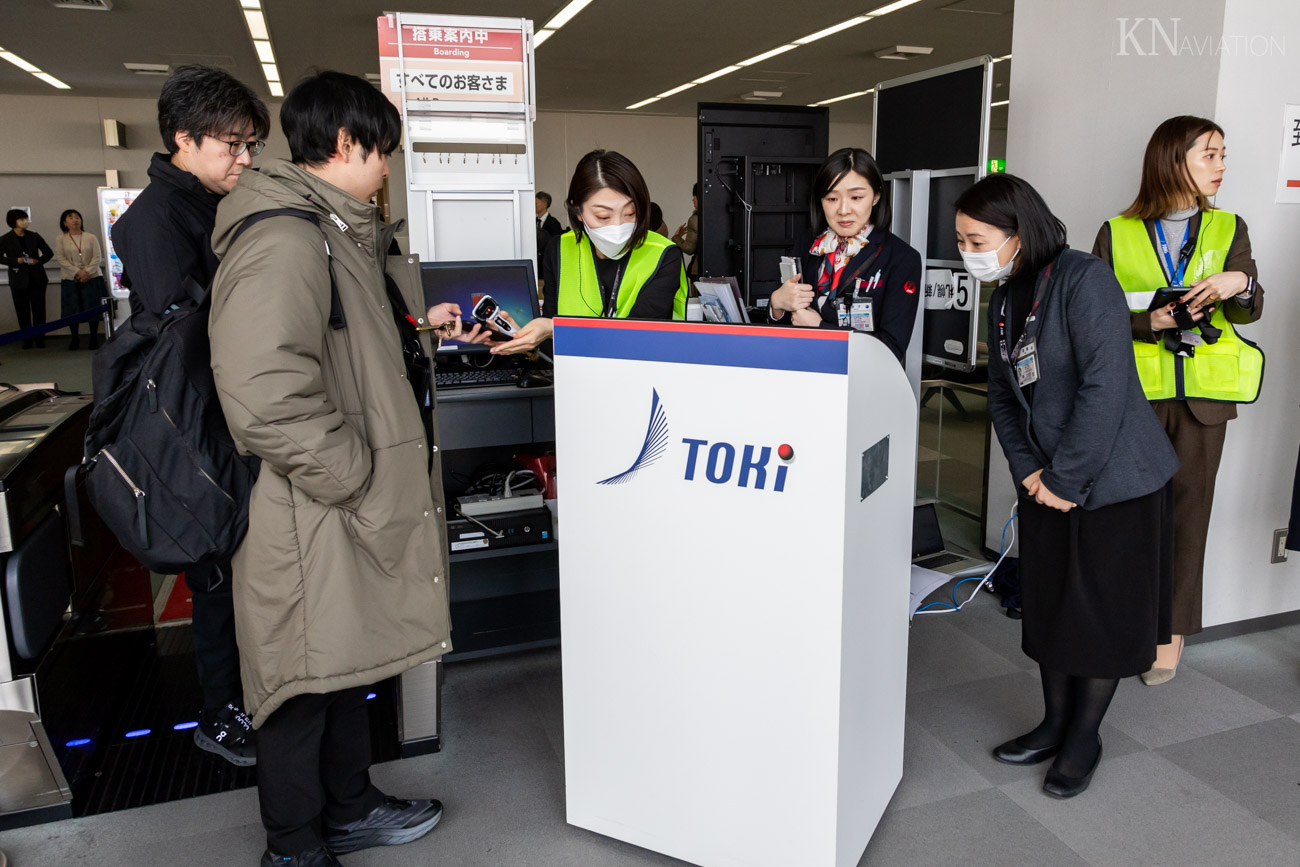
1189	277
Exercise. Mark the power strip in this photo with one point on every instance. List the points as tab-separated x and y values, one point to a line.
478	505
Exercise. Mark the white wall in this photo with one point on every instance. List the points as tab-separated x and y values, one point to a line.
1255	479
1079	139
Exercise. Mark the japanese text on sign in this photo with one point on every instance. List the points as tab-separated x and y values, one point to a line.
435	81
448	35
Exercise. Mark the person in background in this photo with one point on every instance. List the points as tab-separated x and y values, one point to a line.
25	253
611	264
687	235
657	223
1090	464
83	287
342	578
211	126
1173	236
867	278
545	221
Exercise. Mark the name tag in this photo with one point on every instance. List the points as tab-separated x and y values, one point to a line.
1027	364
860	316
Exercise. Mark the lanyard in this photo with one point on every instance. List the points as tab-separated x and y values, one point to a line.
1039	291
1184	254
833	292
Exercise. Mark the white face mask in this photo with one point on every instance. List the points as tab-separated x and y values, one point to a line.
984	266
611	240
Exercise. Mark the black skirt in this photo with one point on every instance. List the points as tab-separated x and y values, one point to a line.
1097	585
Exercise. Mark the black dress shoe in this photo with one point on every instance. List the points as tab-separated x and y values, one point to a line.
1058	785
1013	753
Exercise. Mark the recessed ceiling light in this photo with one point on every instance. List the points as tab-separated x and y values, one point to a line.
33	69
853	95
780	49
255	18
558	20
1003	102
892	7
256	23
264	51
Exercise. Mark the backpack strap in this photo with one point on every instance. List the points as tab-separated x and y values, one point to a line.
337	321
73	505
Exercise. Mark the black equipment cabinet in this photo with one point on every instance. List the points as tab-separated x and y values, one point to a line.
756	168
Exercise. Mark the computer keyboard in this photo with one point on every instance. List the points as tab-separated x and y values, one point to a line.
474	376
939	560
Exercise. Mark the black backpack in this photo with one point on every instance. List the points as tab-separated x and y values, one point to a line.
160	466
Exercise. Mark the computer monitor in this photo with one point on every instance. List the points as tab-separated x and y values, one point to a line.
926	535
510	282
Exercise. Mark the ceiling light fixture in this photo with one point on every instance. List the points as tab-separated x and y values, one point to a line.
780	49
1003	102
892	7
558	20
853	95
33	69
903	52
1002	58
255	18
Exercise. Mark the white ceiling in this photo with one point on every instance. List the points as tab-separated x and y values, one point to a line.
613	54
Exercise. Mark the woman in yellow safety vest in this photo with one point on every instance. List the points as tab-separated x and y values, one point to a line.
611	264
1193	365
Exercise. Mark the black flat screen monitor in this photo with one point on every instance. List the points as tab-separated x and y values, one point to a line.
510	282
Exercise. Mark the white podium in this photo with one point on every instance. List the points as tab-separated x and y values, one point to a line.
734	573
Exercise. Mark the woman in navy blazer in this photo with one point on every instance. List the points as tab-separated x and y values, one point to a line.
863	277
1091	464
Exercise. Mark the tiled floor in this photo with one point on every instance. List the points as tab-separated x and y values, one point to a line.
1204	770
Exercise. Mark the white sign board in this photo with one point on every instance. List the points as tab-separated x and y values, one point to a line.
1288	174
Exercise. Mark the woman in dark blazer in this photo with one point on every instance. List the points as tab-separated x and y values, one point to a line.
1090	463
864	277
25	253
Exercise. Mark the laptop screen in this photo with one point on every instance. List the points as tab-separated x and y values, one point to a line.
926	537
510	282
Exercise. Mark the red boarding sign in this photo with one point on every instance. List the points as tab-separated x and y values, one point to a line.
423	42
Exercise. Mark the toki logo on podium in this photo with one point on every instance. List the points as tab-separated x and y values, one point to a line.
722	461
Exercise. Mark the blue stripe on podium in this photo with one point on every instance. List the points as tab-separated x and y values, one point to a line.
763	348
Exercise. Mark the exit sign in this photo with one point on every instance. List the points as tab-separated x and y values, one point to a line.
997	166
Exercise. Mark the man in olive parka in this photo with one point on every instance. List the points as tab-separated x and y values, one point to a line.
341	581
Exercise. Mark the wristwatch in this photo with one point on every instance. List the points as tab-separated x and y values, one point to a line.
1247	293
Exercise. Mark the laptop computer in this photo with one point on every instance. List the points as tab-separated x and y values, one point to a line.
512	284
928	550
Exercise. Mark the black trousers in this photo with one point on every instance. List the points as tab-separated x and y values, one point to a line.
29	304
313	767
215	652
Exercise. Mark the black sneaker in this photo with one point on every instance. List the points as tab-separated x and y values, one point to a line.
229	734
390	824
317	857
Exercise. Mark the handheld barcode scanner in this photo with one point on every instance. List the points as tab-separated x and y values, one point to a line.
488	311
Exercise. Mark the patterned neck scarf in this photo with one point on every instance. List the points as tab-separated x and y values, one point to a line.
838	251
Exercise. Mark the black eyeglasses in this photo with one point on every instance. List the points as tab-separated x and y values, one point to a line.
238	147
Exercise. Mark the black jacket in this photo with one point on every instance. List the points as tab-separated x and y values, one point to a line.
893	302
551	226
29	246
1088	426
166	235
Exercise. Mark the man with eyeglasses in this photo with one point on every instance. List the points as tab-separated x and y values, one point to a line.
211	126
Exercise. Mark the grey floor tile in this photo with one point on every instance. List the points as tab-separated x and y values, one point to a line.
68	370
1189	706
931	771
940	654
980	829
1264	666
1144	809
1257	766
985	621
240	846
971	719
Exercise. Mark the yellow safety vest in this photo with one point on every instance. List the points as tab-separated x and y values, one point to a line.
1229	370
579	289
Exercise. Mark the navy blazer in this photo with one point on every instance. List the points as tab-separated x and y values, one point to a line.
1090	428
893	302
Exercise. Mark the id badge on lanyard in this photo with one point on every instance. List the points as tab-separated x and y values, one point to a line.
1027	364
1176	272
